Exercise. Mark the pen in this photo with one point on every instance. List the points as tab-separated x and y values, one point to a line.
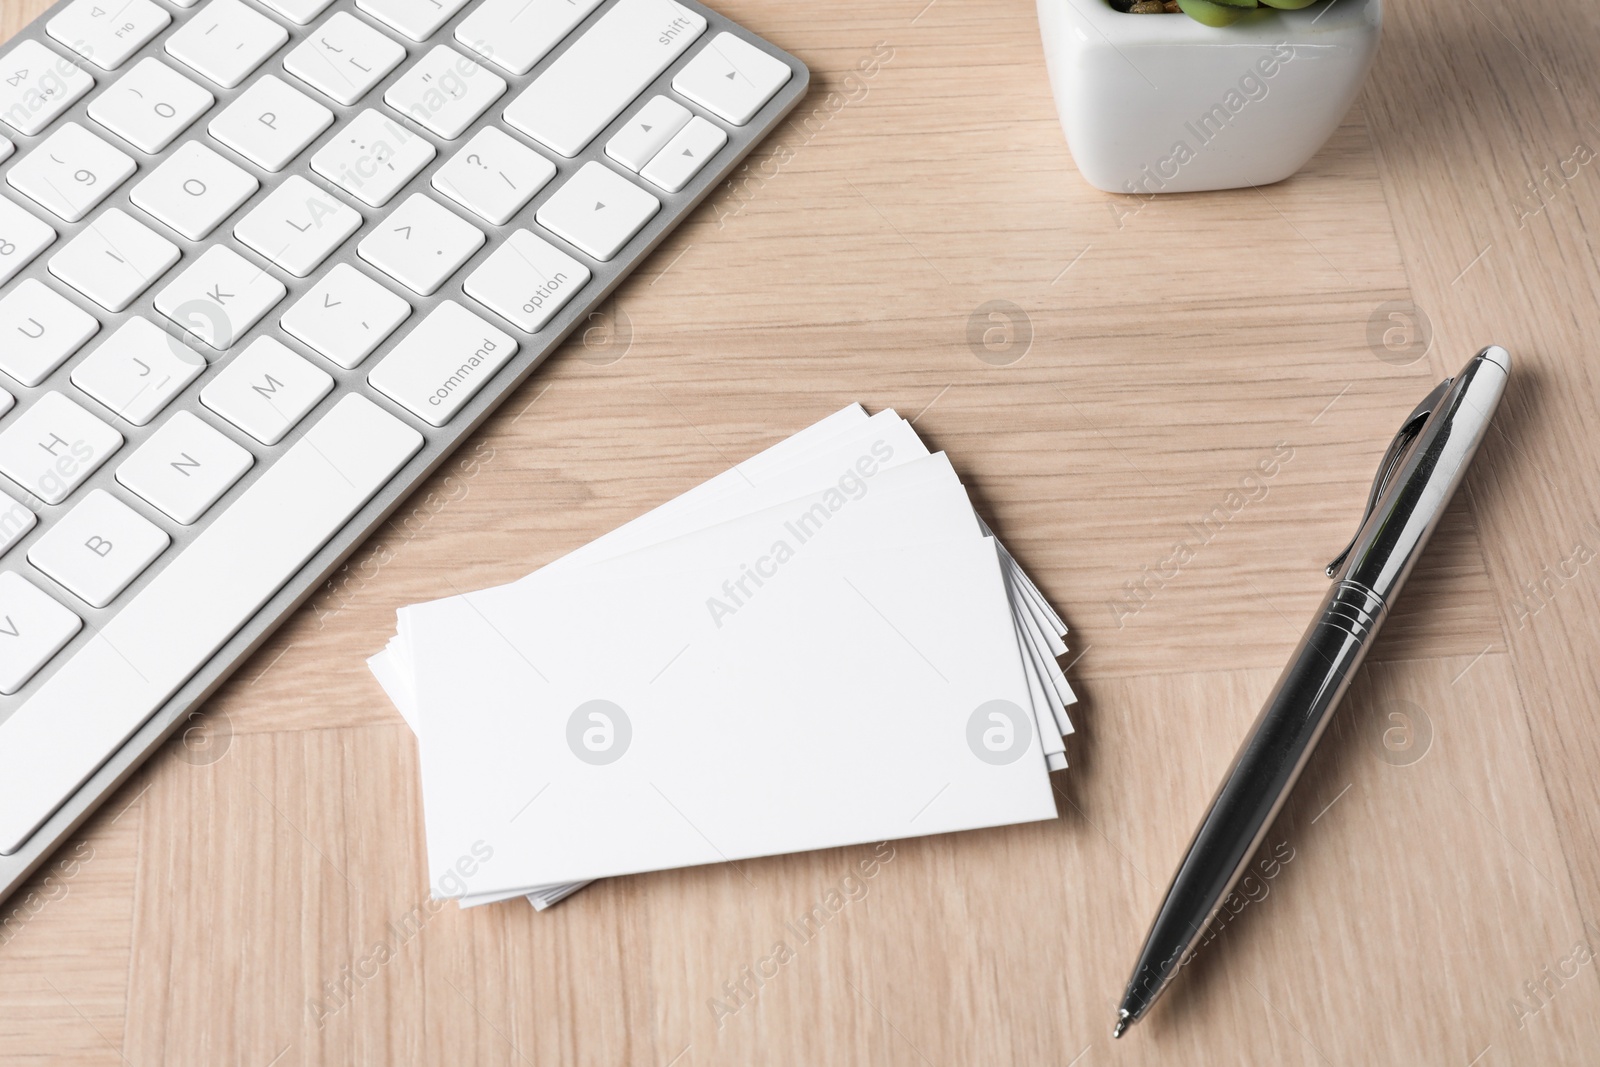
1416	478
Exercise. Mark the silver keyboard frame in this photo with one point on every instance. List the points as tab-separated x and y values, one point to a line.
439	443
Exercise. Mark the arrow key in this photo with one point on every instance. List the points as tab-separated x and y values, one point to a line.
684	155
647	132
597	210
732	78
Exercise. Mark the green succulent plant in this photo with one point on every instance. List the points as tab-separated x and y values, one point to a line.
1218	12
1227	12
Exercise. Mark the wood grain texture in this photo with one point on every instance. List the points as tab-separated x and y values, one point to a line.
262	900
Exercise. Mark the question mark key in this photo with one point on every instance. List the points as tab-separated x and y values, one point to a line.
473	176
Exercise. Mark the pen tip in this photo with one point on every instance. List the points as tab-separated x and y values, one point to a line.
1123	1019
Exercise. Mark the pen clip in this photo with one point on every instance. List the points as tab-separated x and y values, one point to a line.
1390	463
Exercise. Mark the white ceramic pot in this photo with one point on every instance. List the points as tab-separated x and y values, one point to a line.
1162	104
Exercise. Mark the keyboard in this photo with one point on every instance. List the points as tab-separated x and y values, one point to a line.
263	266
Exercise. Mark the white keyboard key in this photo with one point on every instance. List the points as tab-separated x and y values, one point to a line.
299	12
372	157
70	172
417	19
150	105
39	329
114	259
6	148
420	244
22	237
225	41
597	210
53	445
516	34
15	521
298	226
98	548
107	33
647	133
344	58
7	401
526	281
445	92
685	155
270	123
219	297
194	189
137	371
36	85
601	73
442	363
33	627
184	467
732	78
168	629
345	316
493	175
266	390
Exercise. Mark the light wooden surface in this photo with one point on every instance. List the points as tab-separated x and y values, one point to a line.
197	919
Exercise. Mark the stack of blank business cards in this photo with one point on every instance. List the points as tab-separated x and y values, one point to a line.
822	646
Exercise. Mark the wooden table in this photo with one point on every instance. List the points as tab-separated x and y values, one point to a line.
259	897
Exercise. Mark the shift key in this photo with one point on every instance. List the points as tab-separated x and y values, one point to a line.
442	364
602	72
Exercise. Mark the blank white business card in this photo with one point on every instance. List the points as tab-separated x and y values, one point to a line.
781	730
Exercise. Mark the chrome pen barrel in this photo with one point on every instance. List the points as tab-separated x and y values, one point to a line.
1257	784
1416	478
1353	609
